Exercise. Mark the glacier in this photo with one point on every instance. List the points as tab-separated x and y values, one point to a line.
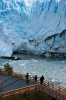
33	26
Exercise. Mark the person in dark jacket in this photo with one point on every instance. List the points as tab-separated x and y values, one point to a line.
41	79
35	78
27	76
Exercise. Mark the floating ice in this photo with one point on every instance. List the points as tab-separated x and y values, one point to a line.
52	70
63	61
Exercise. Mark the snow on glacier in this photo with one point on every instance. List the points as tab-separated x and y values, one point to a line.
7	49
27	24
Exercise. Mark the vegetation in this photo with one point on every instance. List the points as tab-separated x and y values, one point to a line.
7	67
30	96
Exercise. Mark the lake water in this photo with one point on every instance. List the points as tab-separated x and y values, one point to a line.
53	68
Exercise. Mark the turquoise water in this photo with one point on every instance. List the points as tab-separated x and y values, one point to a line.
53	68
28	57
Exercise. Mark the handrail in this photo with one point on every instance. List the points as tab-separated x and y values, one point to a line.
19	91
53	93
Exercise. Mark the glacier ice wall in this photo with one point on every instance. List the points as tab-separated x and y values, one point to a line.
34	26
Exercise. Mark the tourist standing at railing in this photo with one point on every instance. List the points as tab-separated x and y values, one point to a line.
35	78
41	79
27	76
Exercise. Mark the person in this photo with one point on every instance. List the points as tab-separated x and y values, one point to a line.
27	76
41	79
35	78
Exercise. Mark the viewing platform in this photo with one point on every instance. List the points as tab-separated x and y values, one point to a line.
9	83
16	84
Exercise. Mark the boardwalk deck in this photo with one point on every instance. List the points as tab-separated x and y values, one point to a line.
11	83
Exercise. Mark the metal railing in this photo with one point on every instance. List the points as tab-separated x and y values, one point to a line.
19	91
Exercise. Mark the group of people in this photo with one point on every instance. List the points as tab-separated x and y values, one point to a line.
35	78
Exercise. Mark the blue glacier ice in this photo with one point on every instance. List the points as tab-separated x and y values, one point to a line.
34	26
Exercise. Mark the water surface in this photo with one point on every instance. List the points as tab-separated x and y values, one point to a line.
53	68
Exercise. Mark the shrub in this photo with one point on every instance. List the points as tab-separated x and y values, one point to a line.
7	67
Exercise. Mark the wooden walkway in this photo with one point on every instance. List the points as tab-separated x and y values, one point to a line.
53	90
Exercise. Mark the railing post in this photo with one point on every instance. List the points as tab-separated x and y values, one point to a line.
48	88
56	96
48	83
63	97
33	78
36	87
25	92
59	88
28	89
52	85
